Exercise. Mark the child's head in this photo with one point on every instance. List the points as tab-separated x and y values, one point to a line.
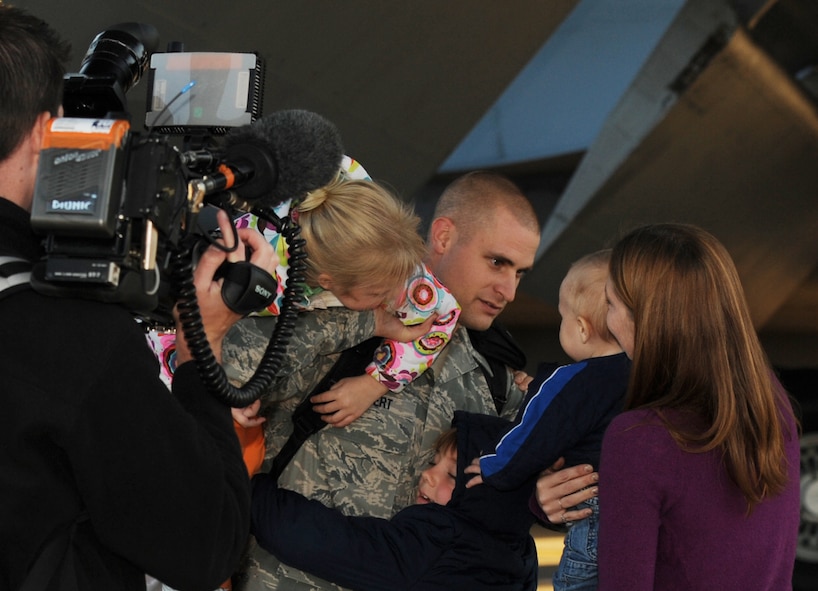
362	242
437	481
582	306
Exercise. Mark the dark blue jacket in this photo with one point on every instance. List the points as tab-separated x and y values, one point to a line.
566	413
480	540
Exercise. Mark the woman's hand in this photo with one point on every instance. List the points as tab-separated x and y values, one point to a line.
558	490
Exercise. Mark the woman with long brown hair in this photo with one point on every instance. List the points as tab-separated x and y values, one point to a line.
699	477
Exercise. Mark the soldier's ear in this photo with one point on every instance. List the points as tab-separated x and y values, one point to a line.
441	235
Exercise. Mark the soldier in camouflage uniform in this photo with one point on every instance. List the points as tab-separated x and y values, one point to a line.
483	238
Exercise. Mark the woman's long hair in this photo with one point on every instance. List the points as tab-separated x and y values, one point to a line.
696	349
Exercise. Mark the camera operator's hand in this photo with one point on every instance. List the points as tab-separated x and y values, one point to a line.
216	316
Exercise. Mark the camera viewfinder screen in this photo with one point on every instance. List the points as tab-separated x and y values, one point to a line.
221	94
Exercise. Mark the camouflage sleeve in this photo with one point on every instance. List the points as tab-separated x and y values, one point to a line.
316	333
514	395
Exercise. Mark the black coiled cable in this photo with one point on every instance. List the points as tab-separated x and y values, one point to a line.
211	372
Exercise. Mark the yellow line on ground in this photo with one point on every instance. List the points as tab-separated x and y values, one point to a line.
549	546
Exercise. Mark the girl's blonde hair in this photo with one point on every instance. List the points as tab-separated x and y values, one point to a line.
359	234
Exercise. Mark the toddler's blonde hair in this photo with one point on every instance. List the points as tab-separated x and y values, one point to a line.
359	234
585	283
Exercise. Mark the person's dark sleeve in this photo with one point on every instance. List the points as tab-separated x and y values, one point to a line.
161	474
359	552
549	425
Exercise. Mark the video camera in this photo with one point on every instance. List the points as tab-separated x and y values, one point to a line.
123	213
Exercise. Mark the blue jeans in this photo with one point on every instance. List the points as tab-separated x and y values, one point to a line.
577	570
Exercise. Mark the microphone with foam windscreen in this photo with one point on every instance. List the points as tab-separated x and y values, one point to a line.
279	157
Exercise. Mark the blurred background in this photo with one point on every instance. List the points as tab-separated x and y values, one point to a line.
609	114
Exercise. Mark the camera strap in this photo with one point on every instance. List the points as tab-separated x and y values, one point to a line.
15	275
306	421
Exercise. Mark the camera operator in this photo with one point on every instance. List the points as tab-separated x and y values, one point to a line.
104	475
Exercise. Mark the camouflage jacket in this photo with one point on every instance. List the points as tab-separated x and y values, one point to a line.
370	467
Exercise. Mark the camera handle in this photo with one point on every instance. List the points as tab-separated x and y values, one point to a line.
246	288
211	372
